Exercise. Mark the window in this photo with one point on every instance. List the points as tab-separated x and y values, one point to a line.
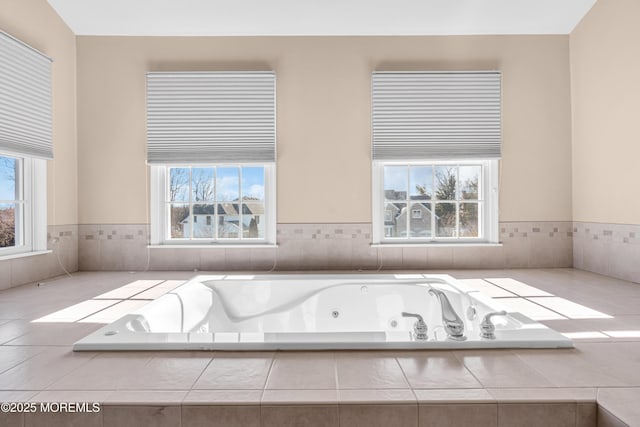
214	203
211	146
436	141
435	201
26	142
11	203
22	201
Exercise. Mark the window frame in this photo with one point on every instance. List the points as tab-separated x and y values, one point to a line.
159	214
488	223
31	183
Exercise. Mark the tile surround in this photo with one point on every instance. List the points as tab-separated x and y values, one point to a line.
62	240
325	247
160	388
608	249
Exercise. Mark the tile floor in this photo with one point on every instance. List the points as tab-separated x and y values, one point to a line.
39	324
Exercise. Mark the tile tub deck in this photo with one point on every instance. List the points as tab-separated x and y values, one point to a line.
597	382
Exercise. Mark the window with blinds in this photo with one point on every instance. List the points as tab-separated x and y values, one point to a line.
216	117
436	140
25	146
436	115
211	145
25	100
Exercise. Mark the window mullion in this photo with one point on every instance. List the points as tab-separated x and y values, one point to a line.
191	212
215	203
458	197
240	209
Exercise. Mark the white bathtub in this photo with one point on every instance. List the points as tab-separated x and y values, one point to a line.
328	311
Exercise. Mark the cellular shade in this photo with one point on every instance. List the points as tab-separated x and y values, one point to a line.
195	117
25	100
436	115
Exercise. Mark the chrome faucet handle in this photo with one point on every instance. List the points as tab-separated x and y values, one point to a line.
419	328
487	328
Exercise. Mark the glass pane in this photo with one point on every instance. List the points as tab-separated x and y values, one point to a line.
421	182
203	223
469	224
445	182
8	169
202	184
253	221
445	219
395	182
228	221
7	225
420	220
395	220
469	180
253	183
179	184
180	224
228	184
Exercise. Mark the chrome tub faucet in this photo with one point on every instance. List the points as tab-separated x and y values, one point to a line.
453	324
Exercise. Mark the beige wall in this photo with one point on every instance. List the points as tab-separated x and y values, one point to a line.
35	23
323	104
605	70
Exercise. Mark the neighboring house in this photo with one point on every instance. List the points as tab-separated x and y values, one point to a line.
395	219
391	213
419	220
228	220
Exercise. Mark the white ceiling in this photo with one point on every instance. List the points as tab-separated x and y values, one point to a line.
320	17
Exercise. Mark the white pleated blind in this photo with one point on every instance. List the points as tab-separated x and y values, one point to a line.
195	117
25	100
436	115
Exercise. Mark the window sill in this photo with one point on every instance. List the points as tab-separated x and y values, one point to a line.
436	245
214	246
24	255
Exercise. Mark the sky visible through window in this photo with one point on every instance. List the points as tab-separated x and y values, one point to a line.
7	178
227	183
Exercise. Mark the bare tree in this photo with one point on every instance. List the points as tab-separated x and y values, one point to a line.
178	183
7	227
201	185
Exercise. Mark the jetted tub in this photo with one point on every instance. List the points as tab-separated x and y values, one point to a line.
326	311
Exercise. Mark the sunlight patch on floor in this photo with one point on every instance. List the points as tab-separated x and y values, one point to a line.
585	335
623	334
518	288
112	305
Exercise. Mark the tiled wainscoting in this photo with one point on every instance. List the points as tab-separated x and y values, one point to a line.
324	414
609	249
326	247
62	240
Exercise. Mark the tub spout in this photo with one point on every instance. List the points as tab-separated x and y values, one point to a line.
453	324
